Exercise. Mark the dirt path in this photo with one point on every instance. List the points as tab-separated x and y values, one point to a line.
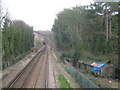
52	72
59	69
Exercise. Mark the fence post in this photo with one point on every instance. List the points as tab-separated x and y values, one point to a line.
82	80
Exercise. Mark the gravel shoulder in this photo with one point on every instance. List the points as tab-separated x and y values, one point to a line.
59	69
52	72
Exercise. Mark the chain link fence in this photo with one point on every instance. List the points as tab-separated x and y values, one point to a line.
80	78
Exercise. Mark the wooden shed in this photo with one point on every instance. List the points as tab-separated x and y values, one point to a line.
84	66
108	70
103	68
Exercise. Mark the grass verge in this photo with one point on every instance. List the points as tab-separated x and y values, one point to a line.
63	82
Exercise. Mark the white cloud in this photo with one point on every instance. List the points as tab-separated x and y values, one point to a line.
40	13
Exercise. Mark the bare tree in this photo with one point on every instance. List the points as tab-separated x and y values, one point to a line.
107	27
110	32
0	13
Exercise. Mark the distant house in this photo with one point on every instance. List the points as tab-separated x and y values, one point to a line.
98	67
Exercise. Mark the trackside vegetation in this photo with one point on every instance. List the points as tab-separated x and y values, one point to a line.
88	31
63	82
17	39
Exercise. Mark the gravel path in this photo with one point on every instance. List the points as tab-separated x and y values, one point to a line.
59	69
52	73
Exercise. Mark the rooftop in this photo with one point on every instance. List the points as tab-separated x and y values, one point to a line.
91	60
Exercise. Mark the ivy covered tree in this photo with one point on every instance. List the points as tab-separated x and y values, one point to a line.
17	38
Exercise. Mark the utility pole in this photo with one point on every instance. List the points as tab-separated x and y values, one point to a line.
110	32
106	23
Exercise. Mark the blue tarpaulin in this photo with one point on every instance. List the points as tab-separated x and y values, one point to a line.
98	66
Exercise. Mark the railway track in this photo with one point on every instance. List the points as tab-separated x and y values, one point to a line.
35	74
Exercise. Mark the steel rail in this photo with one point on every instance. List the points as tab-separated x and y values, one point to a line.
39	72
32	69
24	69
46	70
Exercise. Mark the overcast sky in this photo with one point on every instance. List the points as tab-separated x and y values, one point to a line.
39	13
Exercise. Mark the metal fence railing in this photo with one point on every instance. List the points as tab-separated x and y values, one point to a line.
80	78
